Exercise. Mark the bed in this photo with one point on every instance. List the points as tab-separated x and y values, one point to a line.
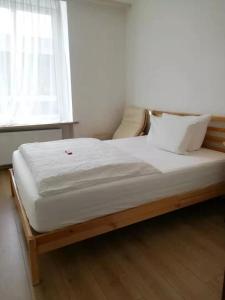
76	215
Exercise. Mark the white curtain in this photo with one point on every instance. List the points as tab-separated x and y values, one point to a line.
35	83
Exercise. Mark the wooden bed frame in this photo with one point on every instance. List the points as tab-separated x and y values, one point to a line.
39	243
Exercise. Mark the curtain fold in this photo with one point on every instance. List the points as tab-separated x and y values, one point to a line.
35	85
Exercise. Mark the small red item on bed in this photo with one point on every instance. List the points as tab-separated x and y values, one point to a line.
68	152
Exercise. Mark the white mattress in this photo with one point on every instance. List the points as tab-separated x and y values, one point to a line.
180	173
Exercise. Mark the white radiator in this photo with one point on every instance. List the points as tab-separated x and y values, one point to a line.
9	141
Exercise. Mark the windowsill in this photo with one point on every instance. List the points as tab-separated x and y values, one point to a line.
35	126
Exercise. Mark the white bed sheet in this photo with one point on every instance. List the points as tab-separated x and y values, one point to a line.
180	173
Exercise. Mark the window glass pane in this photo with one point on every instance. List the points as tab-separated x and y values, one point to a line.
46	84
6	21
34	62
30	24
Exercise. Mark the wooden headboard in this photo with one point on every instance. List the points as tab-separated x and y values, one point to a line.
215	136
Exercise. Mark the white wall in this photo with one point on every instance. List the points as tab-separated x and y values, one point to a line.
176	55
97	52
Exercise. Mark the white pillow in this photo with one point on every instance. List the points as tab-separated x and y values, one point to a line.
170	134
197	130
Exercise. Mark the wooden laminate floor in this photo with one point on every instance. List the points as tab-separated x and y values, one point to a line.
180	255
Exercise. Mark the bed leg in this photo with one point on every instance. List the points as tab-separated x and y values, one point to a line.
11	186
33	257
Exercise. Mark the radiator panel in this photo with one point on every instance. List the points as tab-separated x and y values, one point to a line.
10	141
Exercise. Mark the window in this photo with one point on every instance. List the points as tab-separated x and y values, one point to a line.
35	86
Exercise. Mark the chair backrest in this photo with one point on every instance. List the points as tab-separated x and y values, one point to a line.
133	123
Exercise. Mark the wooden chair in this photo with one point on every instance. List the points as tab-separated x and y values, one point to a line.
133	123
